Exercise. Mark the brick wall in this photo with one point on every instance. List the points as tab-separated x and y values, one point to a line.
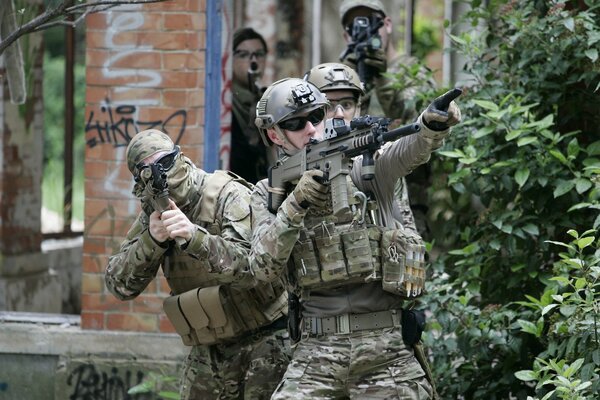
145	66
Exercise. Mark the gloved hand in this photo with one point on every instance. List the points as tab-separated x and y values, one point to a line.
377	60
443	112
309	191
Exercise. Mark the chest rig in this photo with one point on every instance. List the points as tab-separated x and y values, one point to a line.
354	248
206	312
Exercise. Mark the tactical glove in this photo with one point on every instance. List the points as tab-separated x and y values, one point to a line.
377	60
310	191
443	112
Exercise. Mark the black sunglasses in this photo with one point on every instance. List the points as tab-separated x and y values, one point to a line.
166	161
297	123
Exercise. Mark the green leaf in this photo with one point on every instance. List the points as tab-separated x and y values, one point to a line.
560	244
488	105
592	54
548	308
585	242
563	187
169	395
594	148
580	283
452	153
521	176
567	310
573	232
560	279
468	160
513	134
559	156
582	185
526	140
528	327
526	375
569	23
579	206
486	130
531	229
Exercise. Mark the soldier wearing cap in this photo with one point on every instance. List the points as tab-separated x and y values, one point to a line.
384	97
344	270
201	240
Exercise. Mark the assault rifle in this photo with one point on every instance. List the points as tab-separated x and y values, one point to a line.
364	39
159	191
333	155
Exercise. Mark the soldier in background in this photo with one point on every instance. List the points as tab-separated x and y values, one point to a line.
351	342
200	239
385	97
250	158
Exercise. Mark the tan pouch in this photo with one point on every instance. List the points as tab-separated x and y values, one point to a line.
403	263
375	243
203	312
305	261
359	260
331	254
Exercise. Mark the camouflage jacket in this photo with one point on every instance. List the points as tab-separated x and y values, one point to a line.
393	101
208	260
274	236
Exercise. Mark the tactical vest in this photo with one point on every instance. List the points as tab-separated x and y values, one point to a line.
333	252
210	313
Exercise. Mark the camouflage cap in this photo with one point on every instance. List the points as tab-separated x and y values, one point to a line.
348	5
145	144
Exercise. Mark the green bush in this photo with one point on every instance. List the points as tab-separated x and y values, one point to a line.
520	171
53	178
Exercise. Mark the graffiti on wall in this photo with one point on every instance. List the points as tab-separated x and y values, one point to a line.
119	25
226	90
122	125
85	382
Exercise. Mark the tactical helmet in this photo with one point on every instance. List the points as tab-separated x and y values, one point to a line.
284	99
348	5
145	144
334	76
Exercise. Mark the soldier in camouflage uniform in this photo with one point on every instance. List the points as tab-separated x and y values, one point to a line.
351	344
236	327
344	91
396	100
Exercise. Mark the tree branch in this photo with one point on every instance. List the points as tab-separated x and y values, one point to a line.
62	9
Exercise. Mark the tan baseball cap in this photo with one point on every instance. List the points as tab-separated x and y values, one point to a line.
348	5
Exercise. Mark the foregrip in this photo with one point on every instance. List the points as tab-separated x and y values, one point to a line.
339	195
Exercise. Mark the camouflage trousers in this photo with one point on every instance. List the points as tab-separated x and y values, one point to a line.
361	365
249	368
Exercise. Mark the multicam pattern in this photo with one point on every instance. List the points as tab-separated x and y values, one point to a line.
217	254
145	144
248	369
369	365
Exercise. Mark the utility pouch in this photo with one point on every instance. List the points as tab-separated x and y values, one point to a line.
305	260
403	263
375	243
413	325
331	254
358	252
199	316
